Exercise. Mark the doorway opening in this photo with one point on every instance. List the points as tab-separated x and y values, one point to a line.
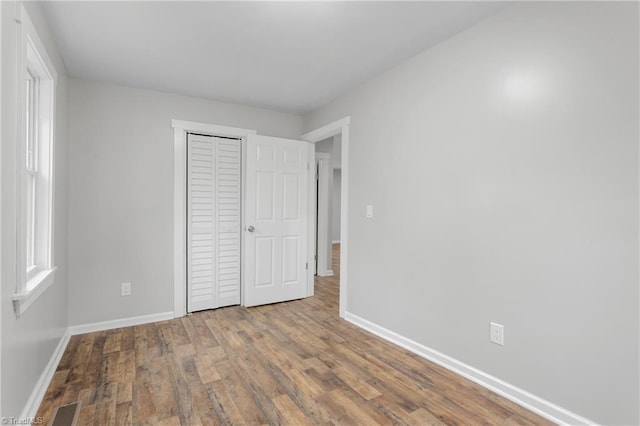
323	210
336	132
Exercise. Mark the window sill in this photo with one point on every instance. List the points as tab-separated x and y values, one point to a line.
37	285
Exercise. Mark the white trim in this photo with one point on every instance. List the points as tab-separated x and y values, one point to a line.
243	189
329	273
40	388
119	323
344	218
322	210
30	49
43	281
212	129
180	130
327	131
521	397
179	223
311	218
339	127
335	242
31	35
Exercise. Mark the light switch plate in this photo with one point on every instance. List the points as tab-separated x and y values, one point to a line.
369	211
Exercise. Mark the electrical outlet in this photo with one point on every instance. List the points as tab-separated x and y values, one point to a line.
496	333
125	289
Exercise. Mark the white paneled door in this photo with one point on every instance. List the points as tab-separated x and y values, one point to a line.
213	222
276	220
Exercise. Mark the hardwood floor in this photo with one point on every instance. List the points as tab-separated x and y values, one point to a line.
294	363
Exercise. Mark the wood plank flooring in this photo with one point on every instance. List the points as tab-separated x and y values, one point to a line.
293	363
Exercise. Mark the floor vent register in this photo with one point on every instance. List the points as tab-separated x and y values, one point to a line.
65	415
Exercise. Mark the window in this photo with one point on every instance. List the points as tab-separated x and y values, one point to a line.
36	101
32	167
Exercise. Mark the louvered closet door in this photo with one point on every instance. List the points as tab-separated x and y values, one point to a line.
213	222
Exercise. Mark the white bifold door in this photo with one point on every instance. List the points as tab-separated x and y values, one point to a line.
276	220
214	200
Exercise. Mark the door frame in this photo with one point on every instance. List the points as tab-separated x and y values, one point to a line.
339	127
180	130
323	164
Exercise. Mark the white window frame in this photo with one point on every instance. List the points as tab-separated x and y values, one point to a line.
35	273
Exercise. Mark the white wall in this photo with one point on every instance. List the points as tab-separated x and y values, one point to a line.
121	192
335	205
503	168
336	152
325	146
29	341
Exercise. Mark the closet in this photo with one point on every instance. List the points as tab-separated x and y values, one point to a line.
214	201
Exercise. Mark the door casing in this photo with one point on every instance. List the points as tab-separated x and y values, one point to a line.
180	130
339	127
323	163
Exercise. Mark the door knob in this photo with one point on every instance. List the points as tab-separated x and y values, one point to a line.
251	229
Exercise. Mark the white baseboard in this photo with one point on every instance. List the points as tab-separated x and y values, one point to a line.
40	388
335	242
327	273
521	397
124	322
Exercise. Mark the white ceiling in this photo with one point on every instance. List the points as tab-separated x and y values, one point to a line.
290	56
